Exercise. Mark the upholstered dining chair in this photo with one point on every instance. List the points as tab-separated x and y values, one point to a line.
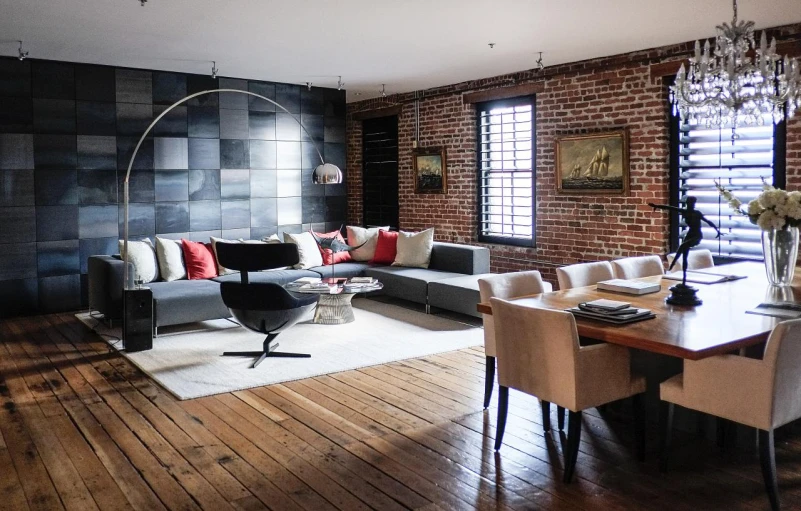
696	260
507	286
761	393
538	353
584	274
637	267
264	307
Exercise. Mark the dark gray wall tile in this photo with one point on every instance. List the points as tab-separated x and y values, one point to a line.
287	127
54	223
313	209
54	80
174	124
263	183
335	104
204	184
134	86
335	130
263	89
141	219
56	187
263	213
204	153
95	118
315	128
15	78
172	185
18	224
97	221
55	151
97	187
99	153
97	246
61	293
312	101
233	100
16	188
58	258
234	123
336	208
262	125
258	233
235	214
18	261
290	210
263	154
235	234
235	183
288	96
125	149
141	186
168	87
133	119
336	154
55	116
19	297
204	215
95	83
170	153
16	115
172	217
234	154
200	83
16	151
203	121
202	236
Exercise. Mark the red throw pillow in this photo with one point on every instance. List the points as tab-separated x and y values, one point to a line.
328	256
386	248
199	259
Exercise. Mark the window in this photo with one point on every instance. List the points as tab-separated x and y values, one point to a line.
506	178
739	159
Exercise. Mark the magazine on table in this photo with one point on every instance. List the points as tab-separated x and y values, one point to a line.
703	277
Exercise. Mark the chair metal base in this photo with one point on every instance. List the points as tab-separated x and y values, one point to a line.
268	351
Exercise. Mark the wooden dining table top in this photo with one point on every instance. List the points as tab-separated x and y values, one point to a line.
720	325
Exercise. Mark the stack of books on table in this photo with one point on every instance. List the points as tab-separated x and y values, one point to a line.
611	311
360	283
629	287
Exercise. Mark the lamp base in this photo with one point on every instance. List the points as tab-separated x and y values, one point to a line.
682	294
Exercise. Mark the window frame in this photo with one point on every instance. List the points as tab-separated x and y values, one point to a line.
674	185
507	240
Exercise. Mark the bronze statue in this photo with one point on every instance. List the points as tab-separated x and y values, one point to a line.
682	293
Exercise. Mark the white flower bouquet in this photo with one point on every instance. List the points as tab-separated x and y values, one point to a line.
772	209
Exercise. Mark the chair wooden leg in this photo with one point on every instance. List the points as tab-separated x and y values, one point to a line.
639	426
573	441
560	417
503	408
666	424
546	415
489	381
767	458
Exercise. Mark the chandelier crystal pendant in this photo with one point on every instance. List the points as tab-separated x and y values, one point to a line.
737	83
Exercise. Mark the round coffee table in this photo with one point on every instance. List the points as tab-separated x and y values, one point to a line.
334	304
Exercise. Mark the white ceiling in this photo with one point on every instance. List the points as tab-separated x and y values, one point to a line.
406	44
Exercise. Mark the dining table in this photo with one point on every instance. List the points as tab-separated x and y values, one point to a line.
721	324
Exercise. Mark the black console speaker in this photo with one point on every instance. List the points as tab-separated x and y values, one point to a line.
137	328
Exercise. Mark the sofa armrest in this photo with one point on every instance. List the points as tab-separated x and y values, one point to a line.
106	285
456	258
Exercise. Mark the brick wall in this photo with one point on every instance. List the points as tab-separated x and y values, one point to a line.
621	91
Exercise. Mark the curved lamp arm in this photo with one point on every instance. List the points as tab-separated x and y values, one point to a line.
325	173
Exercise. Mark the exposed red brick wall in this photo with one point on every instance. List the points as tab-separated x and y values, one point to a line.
579	97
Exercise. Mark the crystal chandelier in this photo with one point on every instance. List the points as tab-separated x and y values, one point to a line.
728	87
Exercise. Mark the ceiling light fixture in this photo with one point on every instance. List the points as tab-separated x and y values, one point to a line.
383	90
214	69
22	54
726	86
540	65
308	86
340	83
142	2
491	45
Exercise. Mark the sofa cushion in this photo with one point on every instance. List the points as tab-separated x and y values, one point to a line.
407	283
464	259
459	294
346	270
187	301
282	277
386	247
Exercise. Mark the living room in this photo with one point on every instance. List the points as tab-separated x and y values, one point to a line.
399	195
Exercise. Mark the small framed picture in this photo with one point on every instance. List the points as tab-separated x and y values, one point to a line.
593	164
430	171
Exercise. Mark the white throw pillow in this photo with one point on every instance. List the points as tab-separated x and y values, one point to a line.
271	239
308	250
221	270
414	249
142	255
359	235
170	255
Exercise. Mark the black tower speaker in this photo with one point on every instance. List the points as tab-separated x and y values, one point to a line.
138	320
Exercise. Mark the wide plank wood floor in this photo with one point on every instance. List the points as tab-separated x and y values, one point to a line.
81	428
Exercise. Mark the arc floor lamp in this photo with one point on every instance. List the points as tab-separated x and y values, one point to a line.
325	173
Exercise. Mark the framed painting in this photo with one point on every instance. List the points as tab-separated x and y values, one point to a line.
430	170
594	163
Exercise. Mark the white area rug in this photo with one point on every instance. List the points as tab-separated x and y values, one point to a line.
188	361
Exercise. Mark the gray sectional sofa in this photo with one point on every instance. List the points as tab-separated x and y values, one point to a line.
188	301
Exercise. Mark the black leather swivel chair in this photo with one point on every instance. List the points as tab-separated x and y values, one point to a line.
263	307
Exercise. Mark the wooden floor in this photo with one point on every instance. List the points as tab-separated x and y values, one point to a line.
81	428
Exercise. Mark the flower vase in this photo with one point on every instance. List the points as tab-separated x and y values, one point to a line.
780	247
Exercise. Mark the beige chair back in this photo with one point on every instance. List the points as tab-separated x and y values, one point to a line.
696	260
536	350
506	286
783	354
584	274
637	267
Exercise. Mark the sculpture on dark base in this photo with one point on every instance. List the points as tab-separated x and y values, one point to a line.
335	245
682	294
